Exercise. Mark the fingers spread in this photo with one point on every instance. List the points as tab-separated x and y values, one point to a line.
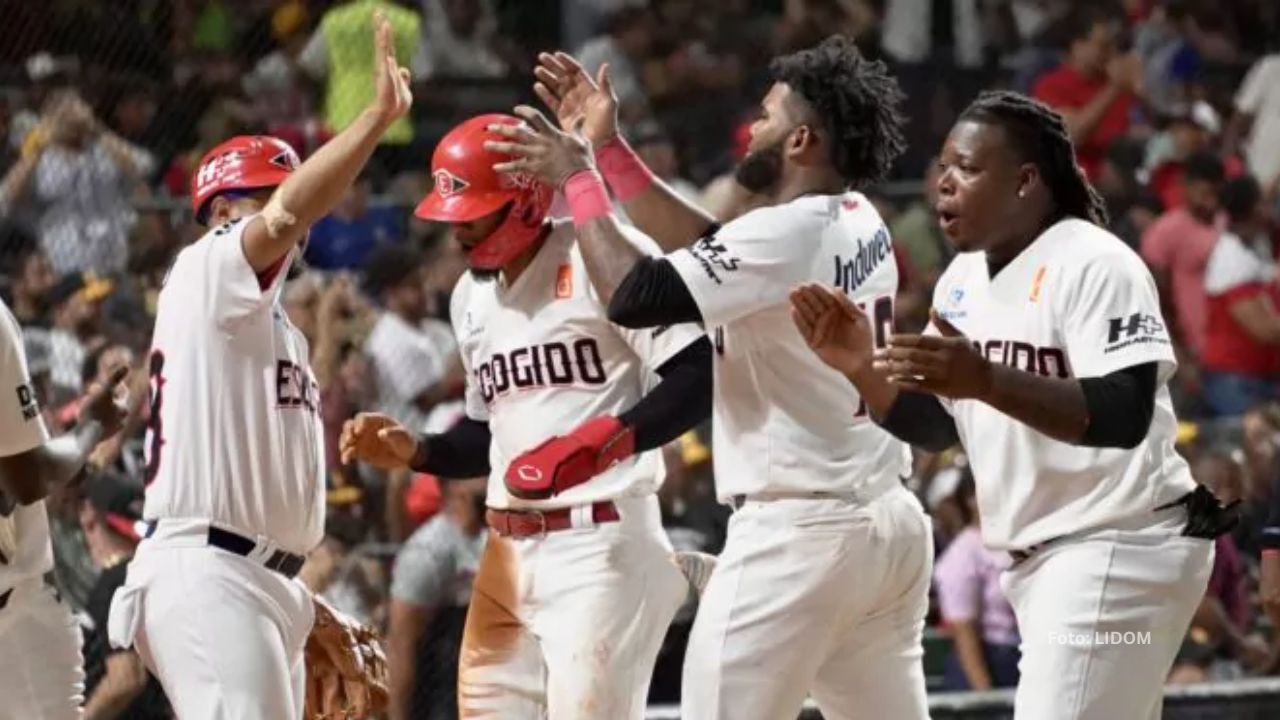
536	119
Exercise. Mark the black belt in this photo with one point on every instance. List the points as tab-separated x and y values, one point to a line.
286	563
4	598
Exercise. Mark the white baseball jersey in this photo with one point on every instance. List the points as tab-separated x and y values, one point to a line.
1076	303
541	358
783	421
24	530
235	434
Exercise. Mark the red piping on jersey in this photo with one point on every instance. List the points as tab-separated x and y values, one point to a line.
268	276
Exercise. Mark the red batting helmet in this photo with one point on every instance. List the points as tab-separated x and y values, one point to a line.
245	162
467	188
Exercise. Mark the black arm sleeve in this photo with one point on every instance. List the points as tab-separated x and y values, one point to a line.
679	402
919	419
462	451
651	295
1120	406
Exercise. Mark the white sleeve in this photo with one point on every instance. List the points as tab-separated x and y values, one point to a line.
1230	266
1255	86
474	399
1111	317
410	360
749	264
655	346
233	290
21	427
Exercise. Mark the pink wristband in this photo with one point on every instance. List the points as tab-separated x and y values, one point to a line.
626	173
584	192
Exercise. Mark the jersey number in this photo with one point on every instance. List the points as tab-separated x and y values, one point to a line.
155	426
881	326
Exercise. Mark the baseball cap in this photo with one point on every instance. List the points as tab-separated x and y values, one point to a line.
94	287
119	501
1199	113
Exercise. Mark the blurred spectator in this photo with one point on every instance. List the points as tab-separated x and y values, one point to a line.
916	231
1221	627
117	685
76	303
1133	210
414	358
628	38
30	277
352	582
461	39
1094	88
1255	128
281	101
1178	246
430	591
340	51
1190	129
1170	60
74	179
1241	356
657	151
967	578
218	122
343	239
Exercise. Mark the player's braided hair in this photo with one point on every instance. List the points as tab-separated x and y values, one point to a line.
858	101
1040	136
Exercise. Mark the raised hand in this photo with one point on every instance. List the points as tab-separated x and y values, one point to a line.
833	327
538	147
392	97
378	440
579	102
107	403
946	364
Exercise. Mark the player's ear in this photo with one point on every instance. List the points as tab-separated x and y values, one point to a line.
802	141
1028	179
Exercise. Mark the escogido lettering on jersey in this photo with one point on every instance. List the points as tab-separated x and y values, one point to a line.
553	363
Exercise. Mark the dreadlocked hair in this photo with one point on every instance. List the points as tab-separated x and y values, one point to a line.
858	101
1040	136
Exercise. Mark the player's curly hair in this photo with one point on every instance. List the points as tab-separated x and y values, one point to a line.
858	101
1039	136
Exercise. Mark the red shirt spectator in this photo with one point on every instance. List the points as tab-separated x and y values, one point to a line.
1177	247
1238	273
1093	88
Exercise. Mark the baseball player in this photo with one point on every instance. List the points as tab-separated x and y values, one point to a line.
577	583
43	677
235	462
1048	358
823	583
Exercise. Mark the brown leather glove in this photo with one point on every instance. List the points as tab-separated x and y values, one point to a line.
346	668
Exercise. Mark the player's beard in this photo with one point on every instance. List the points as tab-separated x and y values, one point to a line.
760	170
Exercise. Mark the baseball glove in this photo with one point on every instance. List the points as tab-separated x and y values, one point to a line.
346	668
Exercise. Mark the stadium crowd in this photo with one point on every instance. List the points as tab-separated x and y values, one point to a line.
105	108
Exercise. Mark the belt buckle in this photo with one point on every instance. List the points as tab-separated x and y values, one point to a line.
542	523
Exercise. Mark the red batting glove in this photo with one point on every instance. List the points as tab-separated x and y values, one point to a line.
568	460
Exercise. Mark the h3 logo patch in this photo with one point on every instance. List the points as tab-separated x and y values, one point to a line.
1135	325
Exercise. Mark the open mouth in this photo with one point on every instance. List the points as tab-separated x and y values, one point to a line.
947	220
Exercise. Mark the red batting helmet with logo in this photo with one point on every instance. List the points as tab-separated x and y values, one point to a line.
245	162
467	188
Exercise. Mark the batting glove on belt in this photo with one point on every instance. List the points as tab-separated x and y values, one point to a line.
346	668
568	460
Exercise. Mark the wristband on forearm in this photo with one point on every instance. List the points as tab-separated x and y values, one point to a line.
585	193
623	169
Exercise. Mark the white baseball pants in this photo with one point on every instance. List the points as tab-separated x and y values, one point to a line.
567	626
1101	619
826	596
43	673
222	633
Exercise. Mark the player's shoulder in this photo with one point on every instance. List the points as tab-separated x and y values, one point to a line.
1077	245
783	219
